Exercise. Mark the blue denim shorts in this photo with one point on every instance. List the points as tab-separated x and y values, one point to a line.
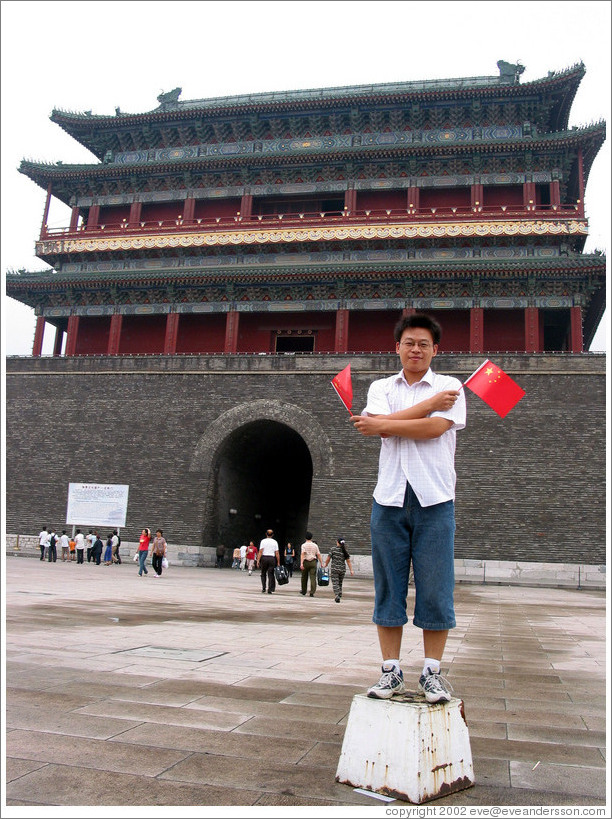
423	535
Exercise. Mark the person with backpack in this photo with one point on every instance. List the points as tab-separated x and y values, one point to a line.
340	559
52	546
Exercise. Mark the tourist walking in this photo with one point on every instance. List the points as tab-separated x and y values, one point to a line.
309	554
417	414
340	559
220	554
236	558
143	551
267	559
251	556
159	548
43	542
289	558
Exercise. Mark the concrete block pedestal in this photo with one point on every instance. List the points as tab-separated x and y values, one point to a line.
406	748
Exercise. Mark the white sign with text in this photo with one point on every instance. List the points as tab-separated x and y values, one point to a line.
97	504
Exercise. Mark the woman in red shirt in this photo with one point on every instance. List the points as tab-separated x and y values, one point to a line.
143	551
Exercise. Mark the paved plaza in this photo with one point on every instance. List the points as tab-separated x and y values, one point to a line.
195	689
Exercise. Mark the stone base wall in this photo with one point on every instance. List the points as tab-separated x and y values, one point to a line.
531	487
486	572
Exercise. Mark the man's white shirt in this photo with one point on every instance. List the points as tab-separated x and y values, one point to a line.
427	465
268	546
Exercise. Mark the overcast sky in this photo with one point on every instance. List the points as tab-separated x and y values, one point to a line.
100	55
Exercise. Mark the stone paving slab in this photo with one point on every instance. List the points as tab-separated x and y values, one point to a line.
88	723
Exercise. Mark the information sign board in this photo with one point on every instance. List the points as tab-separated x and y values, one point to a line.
97	504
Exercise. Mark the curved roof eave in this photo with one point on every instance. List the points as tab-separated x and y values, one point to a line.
41	173
79	124
56	281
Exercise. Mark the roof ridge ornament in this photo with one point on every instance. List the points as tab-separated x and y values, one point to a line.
510	72
169	97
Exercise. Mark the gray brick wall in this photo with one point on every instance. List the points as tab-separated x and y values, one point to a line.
530	487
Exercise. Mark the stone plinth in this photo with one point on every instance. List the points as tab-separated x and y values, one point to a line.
406	748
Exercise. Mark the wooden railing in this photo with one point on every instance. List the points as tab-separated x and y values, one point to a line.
319	218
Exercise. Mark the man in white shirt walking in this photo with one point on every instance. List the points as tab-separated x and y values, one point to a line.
43	541
416	413
268	558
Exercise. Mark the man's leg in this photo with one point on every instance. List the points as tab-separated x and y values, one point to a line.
434	643
390	639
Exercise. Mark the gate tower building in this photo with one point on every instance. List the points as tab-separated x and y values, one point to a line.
208	233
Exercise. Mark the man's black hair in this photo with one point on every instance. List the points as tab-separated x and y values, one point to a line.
418	320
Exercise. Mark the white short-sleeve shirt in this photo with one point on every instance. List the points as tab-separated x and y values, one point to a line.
268	546
427	465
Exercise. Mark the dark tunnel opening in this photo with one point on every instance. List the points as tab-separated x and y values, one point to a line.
263	478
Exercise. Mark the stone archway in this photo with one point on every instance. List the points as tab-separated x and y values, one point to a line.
258	461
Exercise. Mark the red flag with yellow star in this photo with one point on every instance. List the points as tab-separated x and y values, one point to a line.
495	387
343	385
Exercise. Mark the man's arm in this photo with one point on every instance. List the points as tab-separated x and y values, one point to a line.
440	402
418	429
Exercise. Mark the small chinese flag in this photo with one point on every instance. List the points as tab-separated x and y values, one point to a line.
344	387
495	387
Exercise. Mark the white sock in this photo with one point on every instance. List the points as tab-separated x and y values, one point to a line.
429	664
391	665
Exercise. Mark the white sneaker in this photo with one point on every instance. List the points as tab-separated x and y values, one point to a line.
435	687
391	682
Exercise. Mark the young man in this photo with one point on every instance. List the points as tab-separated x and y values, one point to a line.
43	541
417	413
267	558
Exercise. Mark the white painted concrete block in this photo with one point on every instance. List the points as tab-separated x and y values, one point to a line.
406	748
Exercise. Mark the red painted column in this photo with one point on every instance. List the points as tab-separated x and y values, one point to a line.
350	200
476	329
576	337
93	217
532	330
476	196
172	325
114	337
39	333
555	193
188	210
72	335
231	332
74	218
413	199
43	227
580	182
135	211
246	206
57	345
529	195
342	328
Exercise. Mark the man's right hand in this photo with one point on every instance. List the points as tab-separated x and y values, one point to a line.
445	400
